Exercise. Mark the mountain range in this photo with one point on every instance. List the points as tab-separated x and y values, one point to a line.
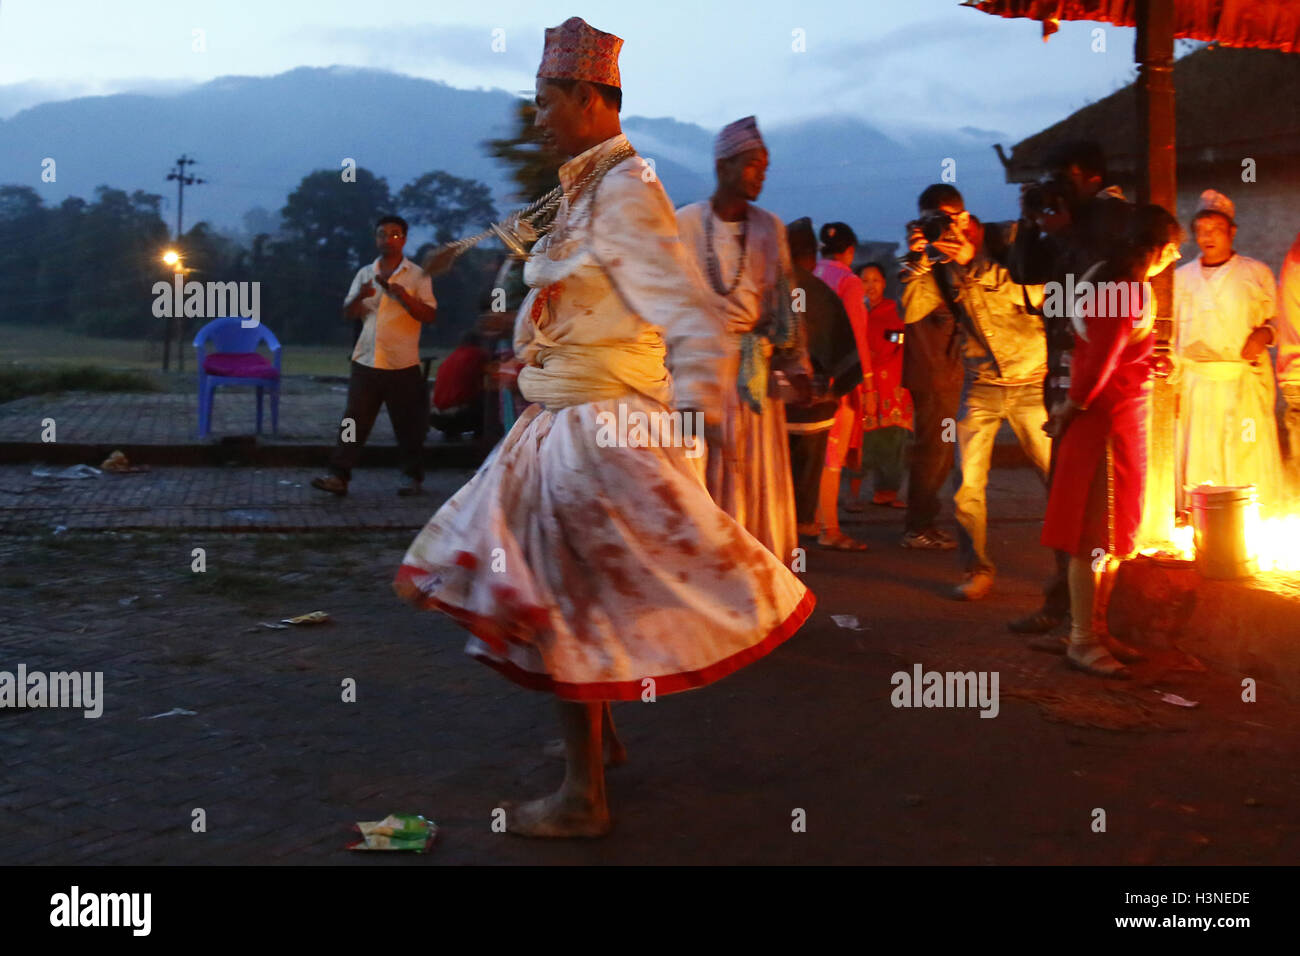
256	137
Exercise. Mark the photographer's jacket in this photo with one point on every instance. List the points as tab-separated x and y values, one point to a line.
1001	342
932	342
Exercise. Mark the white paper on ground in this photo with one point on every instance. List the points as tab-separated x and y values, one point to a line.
849	621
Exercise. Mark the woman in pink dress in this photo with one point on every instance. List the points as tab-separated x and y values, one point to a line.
1095	505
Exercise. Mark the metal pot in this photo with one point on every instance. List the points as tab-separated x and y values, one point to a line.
1219	517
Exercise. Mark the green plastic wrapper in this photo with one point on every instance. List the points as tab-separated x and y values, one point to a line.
397	831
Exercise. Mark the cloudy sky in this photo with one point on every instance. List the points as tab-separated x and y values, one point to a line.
894	63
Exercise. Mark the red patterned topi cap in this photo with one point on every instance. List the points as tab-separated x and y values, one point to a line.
577	51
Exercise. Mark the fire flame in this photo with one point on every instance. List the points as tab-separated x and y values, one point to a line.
1273	543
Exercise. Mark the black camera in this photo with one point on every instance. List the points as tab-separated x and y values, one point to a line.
934	224
1048	196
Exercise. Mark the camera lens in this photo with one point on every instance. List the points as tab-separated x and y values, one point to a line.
932	227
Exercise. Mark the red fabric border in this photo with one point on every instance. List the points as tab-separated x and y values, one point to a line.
492	634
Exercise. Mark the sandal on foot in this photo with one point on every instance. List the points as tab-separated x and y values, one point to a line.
841	542
1093	658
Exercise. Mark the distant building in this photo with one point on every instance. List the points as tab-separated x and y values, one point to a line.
1232	106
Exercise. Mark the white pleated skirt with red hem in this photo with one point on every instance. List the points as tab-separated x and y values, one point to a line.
598	572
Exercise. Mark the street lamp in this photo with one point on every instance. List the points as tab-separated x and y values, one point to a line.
173	260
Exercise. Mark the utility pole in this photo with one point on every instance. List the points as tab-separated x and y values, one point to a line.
176	324
182	180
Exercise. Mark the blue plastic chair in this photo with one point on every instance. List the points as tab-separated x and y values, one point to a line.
236	348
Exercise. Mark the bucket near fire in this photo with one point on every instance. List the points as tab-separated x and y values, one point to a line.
1220	514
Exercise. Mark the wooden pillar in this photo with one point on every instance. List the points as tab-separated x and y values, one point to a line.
1159	184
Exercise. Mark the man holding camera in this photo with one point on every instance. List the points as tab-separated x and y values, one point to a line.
1070	220
1003	354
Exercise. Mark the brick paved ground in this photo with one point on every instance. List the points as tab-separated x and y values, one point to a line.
227	498
282	766
309	413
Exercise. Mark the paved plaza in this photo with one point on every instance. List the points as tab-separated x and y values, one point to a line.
97	575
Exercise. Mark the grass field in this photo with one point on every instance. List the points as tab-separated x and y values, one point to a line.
32	346
17	381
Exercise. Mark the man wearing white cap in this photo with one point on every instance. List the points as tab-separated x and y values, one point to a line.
741	250
1225	308
585	557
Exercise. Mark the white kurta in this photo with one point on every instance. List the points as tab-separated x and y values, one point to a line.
1227	430
583	566
750	477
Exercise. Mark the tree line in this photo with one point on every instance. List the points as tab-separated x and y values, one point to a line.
90	266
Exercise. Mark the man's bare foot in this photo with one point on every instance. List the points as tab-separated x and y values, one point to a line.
615	752
558	816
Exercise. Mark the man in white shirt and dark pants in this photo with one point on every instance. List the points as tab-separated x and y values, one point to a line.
393	297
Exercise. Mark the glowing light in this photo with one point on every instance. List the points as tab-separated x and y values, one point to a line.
171	257
1273	543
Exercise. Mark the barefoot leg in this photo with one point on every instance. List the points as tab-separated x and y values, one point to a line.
578	808
615	752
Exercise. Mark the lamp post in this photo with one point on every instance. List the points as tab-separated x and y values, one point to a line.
182	179
174	261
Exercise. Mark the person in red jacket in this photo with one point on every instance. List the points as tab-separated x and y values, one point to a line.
1095	504
458	389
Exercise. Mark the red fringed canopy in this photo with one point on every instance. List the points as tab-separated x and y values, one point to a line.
1261	24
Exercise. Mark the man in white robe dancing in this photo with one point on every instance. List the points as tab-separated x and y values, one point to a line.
585	562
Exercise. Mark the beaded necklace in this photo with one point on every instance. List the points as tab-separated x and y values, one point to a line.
711	257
